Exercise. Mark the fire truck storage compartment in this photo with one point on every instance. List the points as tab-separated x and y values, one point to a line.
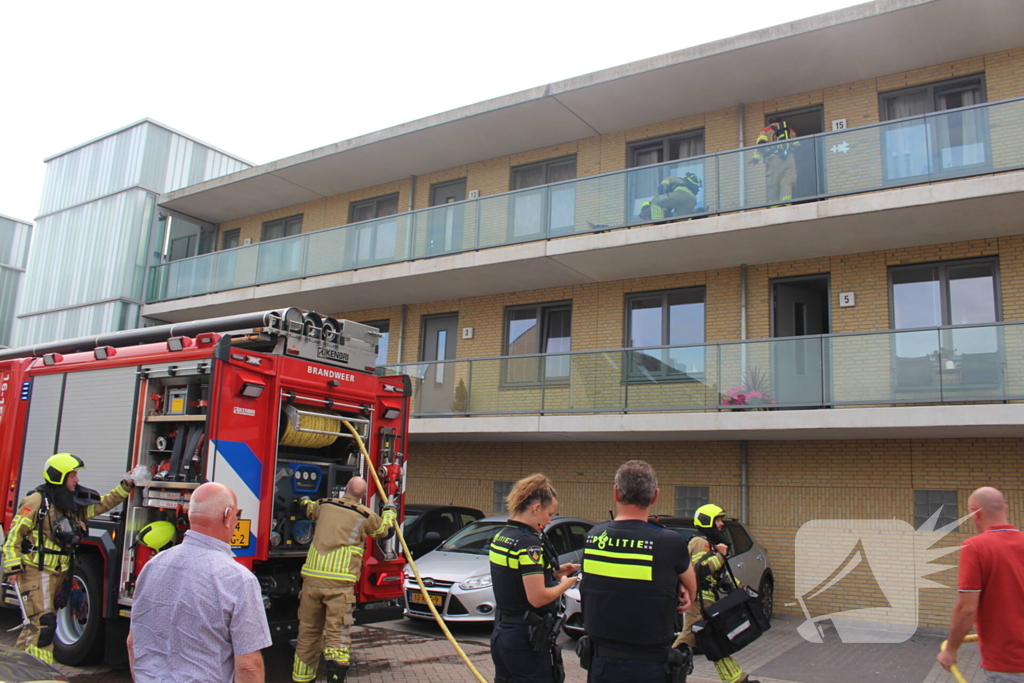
172	444
88	413
316	456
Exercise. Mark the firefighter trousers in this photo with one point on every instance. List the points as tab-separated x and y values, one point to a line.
780	178
325	619
728	670
38	589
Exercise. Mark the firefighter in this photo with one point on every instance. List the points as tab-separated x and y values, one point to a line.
44	535
332	567
779	161
676	197
709	549
528	584
636	576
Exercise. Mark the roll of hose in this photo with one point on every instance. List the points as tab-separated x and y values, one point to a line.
298	439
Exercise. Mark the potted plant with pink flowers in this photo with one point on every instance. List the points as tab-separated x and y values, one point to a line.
752	390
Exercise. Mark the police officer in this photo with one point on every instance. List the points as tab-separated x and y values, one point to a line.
632	573
333	564
43	538
709	551
527	586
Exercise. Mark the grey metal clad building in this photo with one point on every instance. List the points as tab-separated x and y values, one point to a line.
15	236
99	231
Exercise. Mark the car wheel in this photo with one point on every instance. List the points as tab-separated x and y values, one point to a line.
80	641
574	627
767	596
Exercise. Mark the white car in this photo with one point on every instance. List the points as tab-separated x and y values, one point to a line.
747	558
457	574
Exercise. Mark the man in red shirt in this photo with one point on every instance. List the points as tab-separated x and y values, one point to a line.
991	584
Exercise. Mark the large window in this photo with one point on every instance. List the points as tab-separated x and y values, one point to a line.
943	294
538	329
946	143
280	260
643	183
374	242
382	344
669	318
546	210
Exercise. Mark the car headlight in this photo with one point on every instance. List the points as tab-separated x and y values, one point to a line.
475	582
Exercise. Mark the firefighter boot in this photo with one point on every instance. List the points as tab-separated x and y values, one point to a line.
336	672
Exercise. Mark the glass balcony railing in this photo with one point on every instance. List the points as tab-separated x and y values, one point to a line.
951	144
920	366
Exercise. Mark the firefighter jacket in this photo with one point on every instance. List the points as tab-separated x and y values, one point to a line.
784	136
630	587
21	548
708	564
339	540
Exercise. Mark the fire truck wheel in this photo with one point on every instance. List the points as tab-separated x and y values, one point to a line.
81	641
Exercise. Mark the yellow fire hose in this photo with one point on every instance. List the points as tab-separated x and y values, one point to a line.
408	557
955	670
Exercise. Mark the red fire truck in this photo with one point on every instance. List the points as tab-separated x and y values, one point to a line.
260	402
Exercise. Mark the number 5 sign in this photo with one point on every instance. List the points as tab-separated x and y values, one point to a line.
846	299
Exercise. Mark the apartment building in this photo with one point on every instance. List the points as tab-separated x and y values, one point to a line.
98	229
852	352
15	237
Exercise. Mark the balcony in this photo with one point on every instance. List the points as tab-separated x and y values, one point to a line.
756	389
973	141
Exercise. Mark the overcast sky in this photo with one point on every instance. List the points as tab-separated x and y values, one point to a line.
267	80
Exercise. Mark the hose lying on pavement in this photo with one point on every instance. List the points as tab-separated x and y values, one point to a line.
408	557
955	670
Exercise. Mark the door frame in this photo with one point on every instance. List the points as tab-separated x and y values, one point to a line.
423	328
772	332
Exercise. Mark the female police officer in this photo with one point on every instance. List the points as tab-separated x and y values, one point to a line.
527	585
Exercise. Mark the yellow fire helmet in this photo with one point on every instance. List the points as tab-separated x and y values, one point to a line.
157	535
704	516
59	466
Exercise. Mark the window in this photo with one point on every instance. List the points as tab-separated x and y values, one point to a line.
689	498
670	318
538	329
374	242
283	227
741	542
944	143
643	183
548	209
560	539
670	148
382	344
232	238
941	294
501	491
927	502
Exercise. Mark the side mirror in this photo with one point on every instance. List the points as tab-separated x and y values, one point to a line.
432	536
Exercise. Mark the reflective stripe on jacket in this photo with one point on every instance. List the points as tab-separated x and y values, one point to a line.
342	526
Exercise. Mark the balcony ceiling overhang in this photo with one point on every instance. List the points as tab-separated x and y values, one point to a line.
864	41
926	422
954	211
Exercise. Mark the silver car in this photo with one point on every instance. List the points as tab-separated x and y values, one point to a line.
458	573
747	558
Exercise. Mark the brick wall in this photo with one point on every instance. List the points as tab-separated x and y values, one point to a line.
790	483
856	102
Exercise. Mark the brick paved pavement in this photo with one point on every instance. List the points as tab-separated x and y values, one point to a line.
401	650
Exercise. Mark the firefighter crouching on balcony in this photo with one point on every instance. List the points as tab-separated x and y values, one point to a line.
40	547
779	161
676	197
332	567
528	584
708	552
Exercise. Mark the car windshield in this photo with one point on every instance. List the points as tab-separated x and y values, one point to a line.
474	539
410	518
